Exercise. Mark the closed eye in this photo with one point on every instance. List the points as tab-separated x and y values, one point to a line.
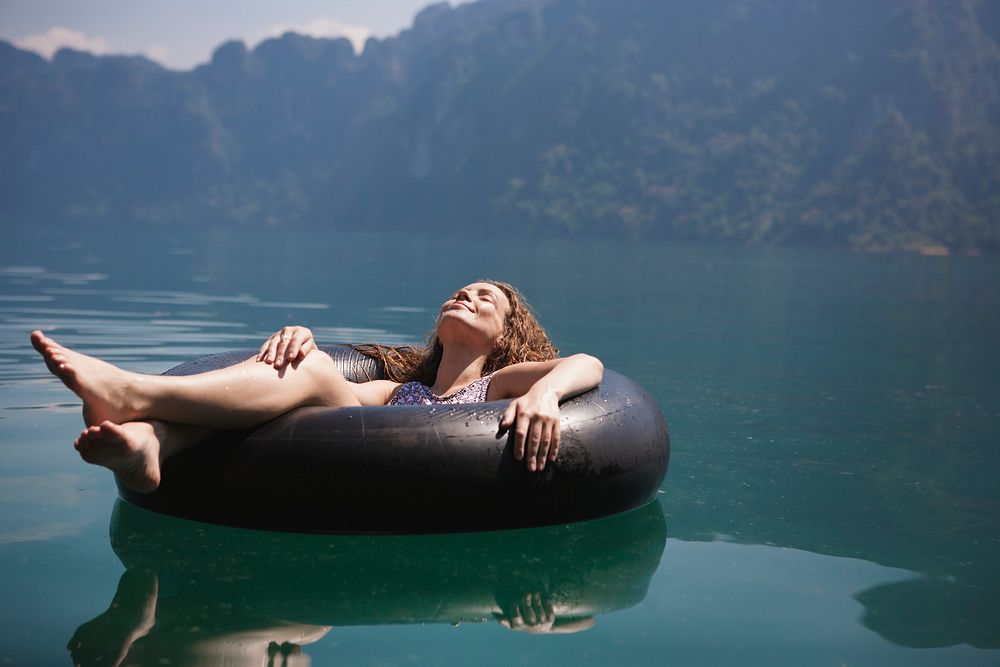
489	295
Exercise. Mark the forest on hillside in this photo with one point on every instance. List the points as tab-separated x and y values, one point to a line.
852	124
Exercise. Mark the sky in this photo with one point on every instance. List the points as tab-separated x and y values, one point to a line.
181	34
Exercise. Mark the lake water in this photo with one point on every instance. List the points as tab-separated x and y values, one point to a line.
832	497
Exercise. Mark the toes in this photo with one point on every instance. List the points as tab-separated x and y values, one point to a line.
45	345
86	436
111	428
62	367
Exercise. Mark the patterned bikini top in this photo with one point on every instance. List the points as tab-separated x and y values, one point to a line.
417	393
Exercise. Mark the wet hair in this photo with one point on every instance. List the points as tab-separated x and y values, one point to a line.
523	339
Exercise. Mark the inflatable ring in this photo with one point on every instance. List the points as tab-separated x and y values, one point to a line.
414	469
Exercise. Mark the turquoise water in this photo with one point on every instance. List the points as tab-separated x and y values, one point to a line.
832	496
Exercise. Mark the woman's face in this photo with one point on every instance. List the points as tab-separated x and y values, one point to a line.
475	313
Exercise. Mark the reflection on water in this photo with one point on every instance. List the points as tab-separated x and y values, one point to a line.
927	612
200	594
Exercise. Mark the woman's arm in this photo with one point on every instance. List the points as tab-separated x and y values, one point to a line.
373	392
536	388
567	377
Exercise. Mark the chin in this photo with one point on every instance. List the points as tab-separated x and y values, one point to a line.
459	331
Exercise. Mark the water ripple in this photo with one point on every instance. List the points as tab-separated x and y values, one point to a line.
145	330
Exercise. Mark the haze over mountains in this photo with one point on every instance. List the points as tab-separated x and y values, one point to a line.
873	125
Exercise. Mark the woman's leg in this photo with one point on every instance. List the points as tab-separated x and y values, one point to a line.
240	396
135	451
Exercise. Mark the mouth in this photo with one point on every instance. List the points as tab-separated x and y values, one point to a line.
460	304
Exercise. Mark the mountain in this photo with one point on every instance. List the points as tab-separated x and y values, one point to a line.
851	124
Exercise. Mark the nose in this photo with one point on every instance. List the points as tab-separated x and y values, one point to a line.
463	293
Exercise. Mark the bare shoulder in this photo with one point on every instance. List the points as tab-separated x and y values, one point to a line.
374	392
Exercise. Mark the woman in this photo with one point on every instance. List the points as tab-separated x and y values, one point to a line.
487	345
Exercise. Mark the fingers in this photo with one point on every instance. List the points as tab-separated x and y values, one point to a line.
506	419
287	345
555	437
532	613
535	443
285	337
269	349
548	428
292	349
272	349
536	440
543	441
521	427
529	610
541	610
536	434
298	348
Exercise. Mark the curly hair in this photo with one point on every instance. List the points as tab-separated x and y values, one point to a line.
523	339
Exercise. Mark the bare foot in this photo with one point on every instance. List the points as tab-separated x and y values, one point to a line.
131	451
105	389
108	639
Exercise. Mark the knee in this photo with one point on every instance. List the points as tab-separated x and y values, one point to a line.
327	383
320	365
324	373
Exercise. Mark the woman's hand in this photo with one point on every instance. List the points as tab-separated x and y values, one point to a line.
536	388
531	613
535	418
287	346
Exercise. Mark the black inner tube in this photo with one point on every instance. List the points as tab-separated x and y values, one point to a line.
415	469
